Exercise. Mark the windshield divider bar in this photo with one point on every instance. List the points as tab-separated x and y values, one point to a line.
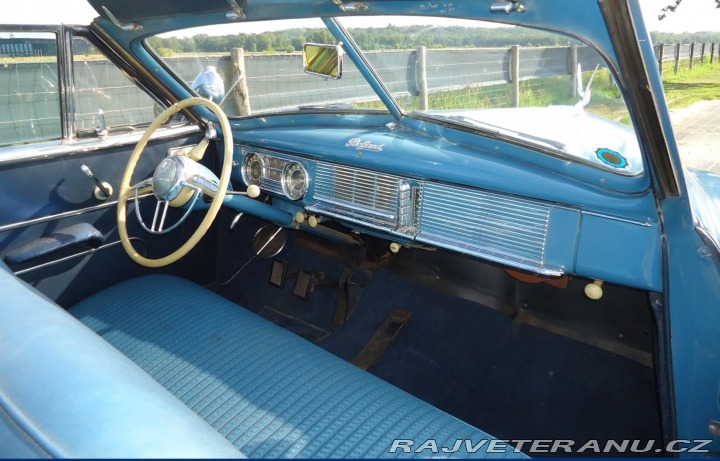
352	50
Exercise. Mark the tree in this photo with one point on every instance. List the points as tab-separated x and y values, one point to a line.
672	7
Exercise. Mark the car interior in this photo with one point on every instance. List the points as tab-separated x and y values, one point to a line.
321	282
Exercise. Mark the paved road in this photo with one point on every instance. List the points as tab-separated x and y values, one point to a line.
697	129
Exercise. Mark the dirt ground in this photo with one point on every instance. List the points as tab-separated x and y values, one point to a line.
697	130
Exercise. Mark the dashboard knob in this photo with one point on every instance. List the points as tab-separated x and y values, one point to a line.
300	217
253	191
394	247
313	221
594	290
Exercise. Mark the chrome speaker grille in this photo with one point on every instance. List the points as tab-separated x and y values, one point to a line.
498	227
361	195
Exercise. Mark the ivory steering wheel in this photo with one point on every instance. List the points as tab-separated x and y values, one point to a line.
178	181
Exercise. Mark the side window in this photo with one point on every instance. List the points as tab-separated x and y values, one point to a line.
29	94
104	96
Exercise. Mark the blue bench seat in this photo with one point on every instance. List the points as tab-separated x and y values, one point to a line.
269	392
249	388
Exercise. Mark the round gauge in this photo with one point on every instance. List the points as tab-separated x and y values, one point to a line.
252	170
294	181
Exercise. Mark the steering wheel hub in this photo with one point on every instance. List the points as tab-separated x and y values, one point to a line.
166	180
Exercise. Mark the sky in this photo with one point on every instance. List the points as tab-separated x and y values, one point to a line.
691	16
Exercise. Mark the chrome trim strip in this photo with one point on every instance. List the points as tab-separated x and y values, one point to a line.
52	149
67	83
616	218
66	214
77	255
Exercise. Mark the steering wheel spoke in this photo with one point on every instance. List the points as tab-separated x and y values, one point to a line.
143	187
147	182
161	210
164	204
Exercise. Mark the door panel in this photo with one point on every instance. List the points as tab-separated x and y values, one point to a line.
42	196
64	105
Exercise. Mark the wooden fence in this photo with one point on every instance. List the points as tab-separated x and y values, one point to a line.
692	53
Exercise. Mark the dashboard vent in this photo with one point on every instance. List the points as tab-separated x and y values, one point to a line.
501	228
363	195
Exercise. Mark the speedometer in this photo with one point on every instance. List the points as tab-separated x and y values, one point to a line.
252	170
294	181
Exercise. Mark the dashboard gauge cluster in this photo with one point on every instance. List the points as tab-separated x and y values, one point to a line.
275	174
294	181
252	170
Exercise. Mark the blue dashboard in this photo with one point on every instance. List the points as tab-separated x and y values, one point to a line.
418	190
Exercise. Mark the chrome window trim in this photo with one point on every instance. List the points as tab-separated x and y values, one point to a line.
60	148
66	82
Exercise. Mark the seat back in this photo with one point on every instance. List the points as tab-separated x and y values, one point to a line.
65	392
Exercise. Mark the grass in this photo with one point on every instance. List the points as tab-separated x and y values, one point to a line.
606	99
682	89
690	86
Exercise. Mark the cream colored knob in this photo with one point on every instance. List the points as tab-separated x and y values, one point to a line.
99	194
300	217
394	247
253	191
594	290
313	221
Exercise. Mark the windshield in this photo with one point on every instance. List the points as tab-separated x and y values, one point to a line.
260	68
531	87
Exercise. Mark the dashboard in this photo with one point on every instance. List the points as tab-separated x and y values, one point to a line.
537	236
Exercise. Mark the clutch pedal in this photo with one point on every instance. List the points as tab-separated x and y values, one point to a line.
278	273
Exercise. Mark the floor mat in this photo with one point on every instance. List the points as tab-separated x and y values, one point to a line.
295	325
513	380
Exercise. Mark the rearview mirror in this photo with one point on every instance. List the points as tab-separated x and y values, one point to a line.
323	60
209	85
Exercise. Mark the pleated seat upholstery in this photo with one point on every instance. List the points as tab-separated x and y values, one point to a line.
269	392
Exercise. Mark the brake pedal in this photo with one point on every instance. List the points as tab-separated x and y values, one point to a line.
381	339
303	285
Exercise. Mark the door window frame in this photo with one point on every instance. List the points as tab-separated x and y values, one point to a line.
69	141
